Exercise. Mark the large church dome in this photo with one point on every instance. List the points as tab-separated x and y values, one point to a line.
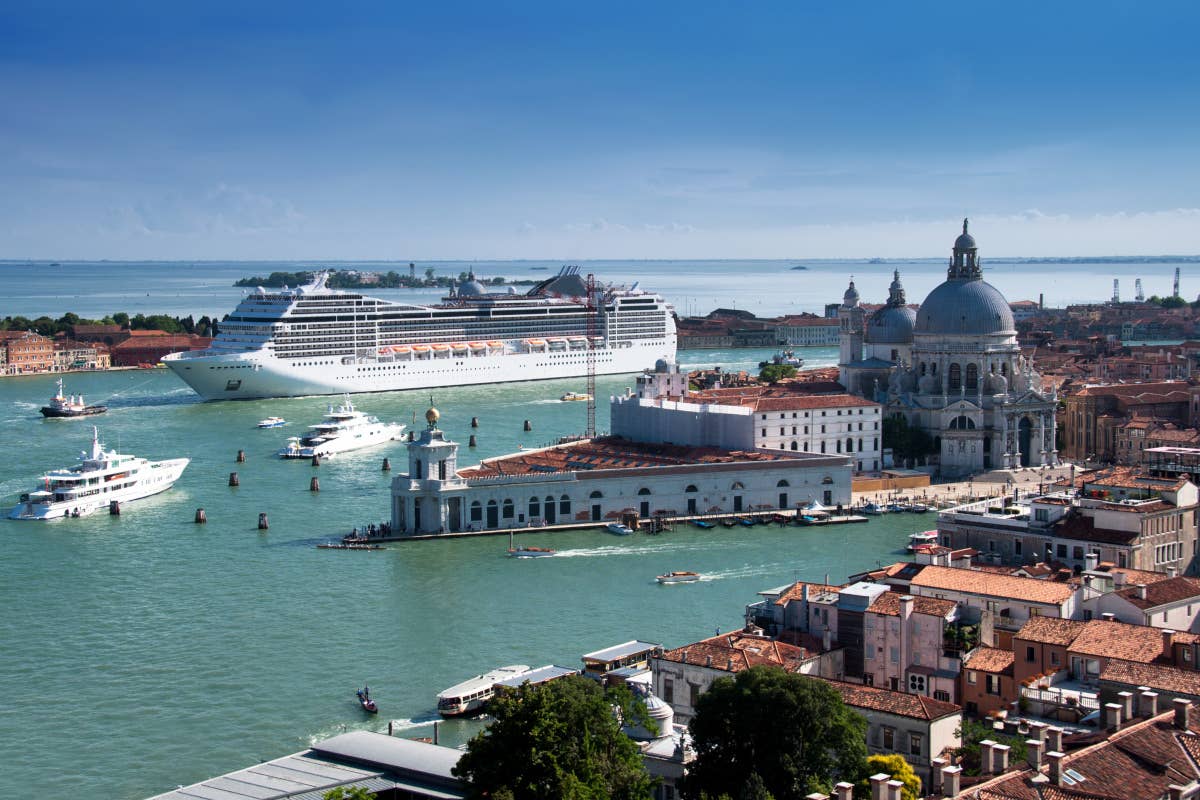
965	303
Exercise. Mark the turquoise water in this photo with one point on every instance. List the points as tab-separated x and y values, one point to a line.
172	651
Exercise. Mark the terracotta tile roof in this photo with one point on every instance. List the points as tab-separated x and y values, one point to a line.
1172	590
992	585
888	604
1083	528
901	704
1140	761
735	652
1161	677
796	591
1135	576
1146	392
1118	640
612	452
991	659
1048	630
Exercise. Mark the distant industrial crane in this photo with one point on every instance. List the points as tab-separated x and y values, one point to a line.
1140	296
1116	291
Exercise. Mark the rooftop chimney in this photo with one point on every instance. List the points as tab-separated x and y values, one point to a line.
1119	579
1033	753
1000	758
895	788
1168	642
1054	739
845	791
1054	759
1108	616
879	785
1112	716
935	773
906	606
1148	704
1125	699
1037	730
1141	591
985	756
1183	713
950	779
1091	561
1172	572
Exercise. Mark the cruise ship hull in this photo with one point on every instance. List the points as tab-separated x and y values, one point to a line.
259	374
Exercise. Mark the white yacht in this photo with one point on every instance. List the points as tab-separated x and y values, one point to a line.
95	482
472	695
344	428
316	340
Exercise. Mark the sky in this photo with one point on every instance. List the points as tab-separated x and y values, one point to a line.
665	130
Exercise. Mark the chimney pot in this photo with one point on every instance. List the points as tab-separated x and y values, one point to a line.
935	773
986	759
1112	716
1108	616
1037	730
1000	758
1148	704
1172	572
1141	591
1183	713
1054	759
950	781
879	785
845	790
895	788
1168	644
1054	739
1033	753
1126	703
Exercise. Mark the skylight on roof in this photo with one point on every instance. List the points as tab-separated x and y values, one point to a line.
1073	777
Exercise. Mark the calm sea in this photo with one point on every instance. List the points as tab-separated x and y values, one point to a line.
143	651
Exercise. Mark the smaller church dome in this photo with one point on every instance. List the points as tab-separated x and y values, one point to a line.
662	365
472	287
850	298
891	325
965	241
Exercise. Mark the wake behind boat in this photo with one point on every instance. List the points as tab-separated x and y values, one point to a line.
344	429
63	406
98	480
317	340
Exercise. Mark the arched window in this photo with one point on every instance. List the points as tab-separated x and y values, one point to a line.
564	505
1004	368
535	508
793	445
643	492
691	489
476	512
972	377
736	486
783	483
507	509
849	445
596	495
962	423
822	446
826	480
955	377
839	445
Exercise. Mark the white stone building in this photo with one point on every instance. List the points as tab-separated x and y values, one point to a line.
779	417
599	480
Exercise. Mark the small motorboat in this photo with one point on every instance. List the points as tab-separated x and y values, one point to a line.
570	397
870	509
918	508
748	522
919	542
728	523
364	700
272	422
700	523
679	577
618	528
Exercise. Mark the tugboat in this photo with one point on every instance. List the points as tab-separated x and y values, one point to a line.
784	358
63	406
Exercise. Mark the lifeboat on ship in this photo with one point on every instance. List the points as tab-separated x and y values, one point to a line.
557	343
477	345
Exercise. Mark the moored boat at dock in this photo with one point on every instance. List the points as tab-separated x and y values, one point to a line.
470	696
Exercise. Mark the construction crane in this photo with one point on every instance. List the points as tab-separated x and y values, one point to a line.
1175	293
1116	291
1139	296
593	327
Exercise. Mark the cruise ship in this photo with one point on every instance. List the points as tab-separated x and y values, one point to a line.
313	340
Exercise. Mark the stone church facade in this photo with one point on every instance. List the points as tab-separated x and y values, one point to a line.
953	369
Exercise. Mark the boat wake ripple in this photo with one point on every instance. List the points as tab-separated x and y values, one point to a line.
745	571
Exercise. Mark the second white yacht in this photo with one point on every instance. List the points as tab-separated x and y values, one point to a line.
344	428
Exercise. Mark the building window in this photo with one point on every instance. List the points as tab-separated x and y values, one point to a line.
668	690
1055	658
894	654
693	694
993	684
1016	547
942	694
971	677
1042	515
889	738
1030	655
1062	551
914	744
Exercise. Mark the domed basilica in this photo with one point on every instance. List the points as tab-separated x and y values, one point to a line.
953	369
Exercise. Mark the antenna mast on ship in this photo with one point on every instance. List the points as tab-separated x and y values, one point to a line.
593	310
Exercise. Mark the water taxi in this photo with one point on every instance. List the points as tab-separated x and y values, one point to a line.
679	577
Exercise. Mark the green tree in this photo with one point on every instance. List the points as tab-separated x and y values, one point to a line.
794	732
774	373
972	732
899	769
121	318
349	793
561	739
906	442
